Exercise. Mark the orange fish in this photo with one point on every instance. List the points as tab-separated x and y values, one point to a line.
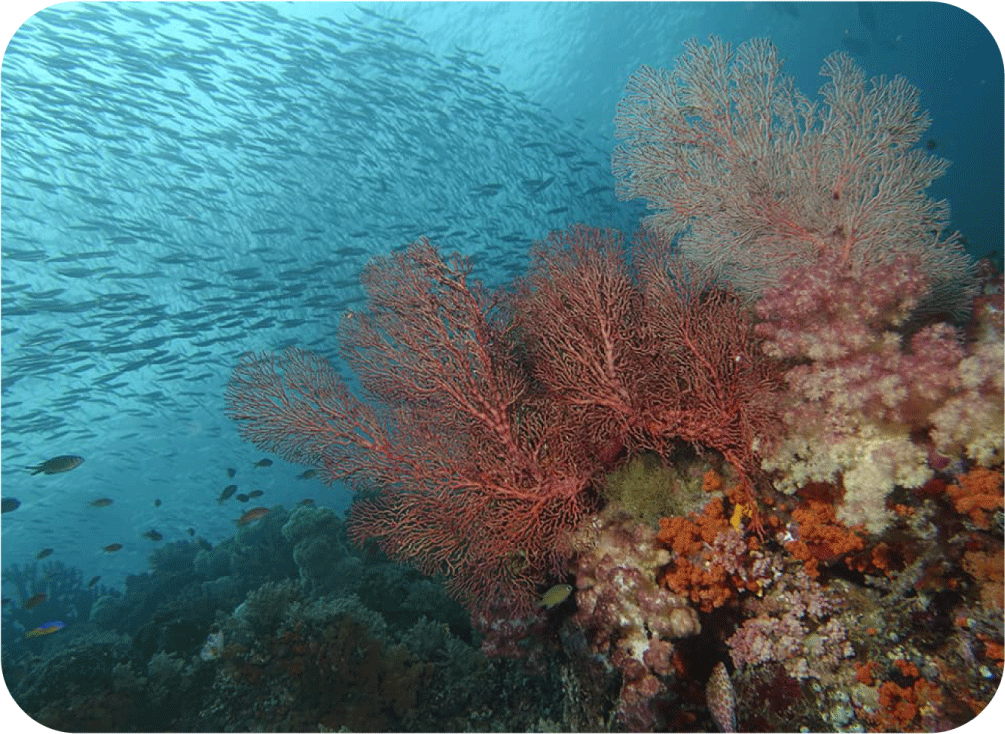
112	548
251	515
34	601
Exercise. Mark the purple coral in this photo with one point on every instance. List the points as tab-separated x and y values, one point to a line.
626	614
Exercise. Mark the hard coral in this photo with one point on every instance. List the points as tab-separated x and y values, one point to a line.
625	612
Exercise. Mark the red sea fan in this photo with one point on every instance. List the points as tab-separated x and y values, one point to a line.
473	477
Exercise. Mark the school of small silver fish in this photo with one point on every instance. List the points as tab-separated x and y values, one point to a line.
186	182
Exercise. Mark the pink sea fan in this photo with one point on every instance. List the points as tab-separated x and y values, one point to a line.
756	179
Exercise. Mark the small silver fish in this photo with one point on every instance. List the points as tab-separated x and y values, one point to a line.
57	464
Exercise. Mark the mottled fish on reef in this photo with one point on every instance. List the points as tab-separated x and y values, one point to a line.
102	502
241	497
213	647
264	462
231	472
251	515
255	493
153	535
9	504
227	492
555	595
112	547
44	553
46	629
93	581
56	465
157	502
307	474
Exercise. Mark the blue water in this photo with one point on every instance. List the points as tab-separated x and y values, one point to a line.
185	183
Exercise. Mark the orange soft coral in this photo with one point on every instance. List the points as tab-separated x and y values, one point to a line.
694	572
821	536
978	494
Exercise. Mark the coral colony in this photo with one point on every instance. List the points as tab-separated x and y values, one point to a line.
741	469
788	332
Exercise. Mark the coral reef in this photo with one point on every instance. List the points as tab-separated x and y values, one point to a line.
625	613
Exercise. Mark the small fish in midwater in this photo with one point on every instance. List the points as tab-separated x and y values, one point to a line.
231	472
241	497
227	493
264	462
57	464
307	474
157	502
306	502
153	535
251	515
191	531
555	596
112	547
46	629
93	581
255	493
34	601
44	553
102	502
9	504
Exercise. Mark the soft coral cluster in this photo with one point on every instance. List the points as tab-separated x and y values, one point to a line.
863	391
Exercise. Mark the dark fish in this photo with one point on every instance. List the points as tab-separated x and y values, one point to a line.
191	531
9	504
157	502
242	498
153	535
306	502
34	601
231	473
111	548
255	493
44	553
227	493
102	502
264	462
57	464
932	144
93	581
251	515
307	474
